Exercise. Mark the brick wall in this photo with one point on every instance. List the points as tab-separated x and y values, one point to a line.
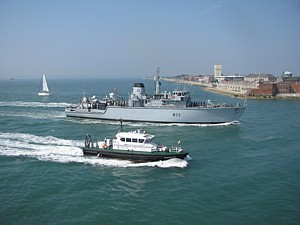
265	90
284	88
295	86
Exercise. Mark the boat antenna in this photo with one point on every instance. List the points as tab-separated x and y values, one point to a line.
121	124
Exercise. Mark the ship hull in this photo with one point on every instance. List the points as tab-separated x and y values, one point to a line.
189	115
133	155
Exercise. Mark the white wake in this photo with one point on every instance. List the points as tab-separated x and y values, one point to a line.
33	104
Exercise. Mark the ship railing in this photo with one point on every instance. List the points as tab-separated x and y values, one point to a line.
204	104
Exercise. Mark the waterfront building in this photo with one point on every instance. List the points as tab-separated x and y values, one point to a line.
286	74
284	88
201	79
260	77
237	86
264	89
219	76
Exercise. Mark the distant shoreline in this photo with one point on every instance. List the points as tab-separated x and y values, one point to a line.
236	94
207	87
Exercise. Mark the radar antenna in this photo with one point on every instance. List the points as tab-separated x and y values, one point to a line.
157	83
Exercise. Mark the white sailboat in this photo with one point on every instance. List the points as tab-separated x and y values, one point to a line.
45	89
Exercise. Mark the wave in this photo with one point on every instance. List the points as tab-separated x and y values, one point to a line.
34	104
36	115
182	124
147	124
49	148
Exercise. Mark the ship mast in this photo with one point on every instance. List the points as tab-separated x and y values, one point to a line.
157	83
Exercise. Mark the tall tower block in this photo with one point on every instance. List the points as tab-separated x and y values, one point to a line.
217	70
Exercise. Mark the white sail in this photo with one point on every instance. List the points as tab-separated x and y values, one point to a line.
45	89
45	86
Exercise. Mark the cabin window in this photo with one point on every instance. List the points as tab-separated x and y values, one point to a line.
141	140
122	139
134	140
128	139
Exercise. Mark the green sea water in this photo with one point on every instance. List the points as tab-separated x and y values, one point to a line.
236	173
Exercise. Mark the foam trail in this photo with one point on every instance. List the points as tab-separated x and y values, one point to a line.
163	164
59	150
146	124
33	104
36	115
18	144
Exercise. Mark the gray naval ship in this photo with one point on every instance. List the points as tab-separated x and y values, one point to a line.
161	107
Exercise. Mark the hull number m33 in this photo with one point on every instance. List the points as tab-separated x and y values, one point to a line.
176	114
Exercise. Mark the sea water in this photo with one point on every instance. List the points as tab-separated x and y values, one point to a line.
247	172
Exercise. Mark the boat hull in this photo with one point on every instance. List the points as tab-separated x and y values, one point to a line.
133	155
191	115
43	94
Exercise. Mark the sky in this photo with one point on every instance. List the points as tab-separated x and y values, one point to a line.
130	38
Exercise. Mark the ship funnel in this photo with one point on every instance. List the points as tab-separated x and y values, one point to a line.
138	89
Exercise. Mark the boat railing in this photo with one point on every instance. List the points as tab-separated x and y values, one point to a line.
176	149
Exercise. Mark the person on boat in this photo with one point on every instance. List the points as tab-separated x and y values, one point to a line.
105	144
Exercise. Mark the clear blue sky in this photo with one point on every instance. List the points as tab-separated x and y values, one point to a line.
129	38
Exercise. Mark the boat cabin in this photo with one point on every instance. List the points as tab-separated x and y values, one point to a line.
134	141
181	95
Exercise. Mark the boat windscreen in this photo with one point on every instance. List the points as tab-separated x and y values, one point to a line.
148	140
